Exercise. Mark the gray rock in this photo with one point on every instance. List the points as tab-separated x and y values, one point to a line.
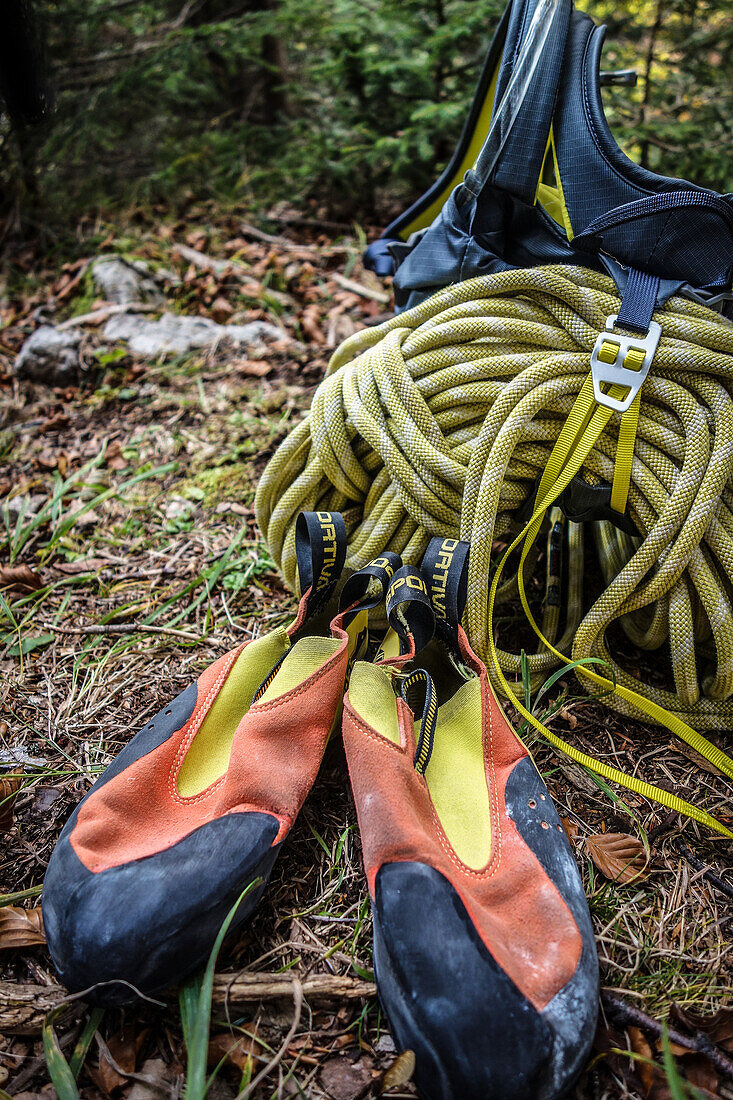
50	356
176	335
121	281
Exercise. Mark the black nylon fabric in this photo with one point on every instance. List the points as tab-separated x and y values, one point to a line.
409	610
524	150
610	200
320	550
445	572
360	593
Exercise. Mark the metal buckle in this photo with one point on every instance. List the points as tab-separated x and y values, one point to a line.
618	358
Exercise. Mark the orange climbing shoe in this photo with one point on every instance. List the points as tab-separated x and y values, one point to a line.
196	807
484	953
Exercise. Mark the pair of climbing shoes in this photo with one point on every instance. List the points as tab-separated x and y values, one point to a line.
483	949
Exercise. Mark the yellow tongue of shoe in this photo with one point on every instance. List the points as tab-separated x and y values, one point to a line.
208	755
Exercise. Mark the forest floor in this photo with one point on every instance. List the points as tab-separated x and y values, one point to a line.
129	560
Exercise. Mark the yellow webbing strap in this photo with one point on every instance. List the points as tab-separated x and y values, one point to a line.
577	438
625	456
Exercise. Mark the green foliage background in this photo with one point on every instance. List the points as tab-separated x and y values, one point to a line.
351	103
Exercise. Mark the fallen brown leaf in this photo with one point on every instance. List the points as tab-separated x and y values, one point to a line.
700	1073
221	310
254	368
400	1072
648	1075
82	565
696	757
20	927
343	1079
122	1050
237	1050
311	324
618	856
570	827
718	1028
8	793
20	577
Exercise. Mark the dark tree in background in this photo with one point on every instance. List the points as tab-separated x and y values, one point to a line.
355	103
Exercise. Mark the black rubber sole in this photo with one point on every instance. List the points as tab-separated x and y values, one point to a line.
473	1033
148	924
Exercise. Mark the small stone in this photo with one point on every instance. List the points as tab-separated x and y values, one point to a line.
179	507
174	334
29	504
122	282
46	796
50	356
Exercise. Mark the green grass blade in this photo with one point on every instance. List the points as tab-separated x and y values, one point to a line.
115	490
19	895
195	1008
552	680
59	1071
526	680
84	1041
677	1088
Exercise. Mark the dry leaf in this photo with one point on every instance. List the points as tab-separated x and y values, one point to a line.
570	827
648	1075
20	927
718	1028
20	577
579	778
700	1073
311	324
221	310
82	565
123	1052
400	1072
342	1079
153	1081
696	757
237	1050
8	793
254	368
618	856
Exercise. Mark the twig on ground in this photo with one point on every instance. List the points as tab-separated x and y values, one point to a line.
123	628
267	1070
23	1007
104	312
222	267
698	865
270	238
624	1013
358	288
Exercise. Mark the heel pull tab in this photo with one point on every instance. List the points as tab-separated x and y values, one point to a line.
409	611
429	718
320	551
445	572
367	588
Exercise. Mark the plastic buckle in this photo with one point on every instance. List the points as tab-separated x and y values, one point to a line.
619	358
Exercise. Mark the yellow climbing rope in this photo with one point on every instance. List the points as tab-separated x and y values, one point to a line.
443	420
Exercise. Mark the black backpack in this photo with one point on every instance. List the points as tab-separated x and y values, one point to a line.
550	184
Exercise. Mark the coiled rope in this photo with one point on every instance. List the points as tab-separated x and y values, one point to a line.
443	419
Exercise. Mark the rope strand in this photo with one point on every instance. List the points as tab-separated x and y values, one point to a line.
441	420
